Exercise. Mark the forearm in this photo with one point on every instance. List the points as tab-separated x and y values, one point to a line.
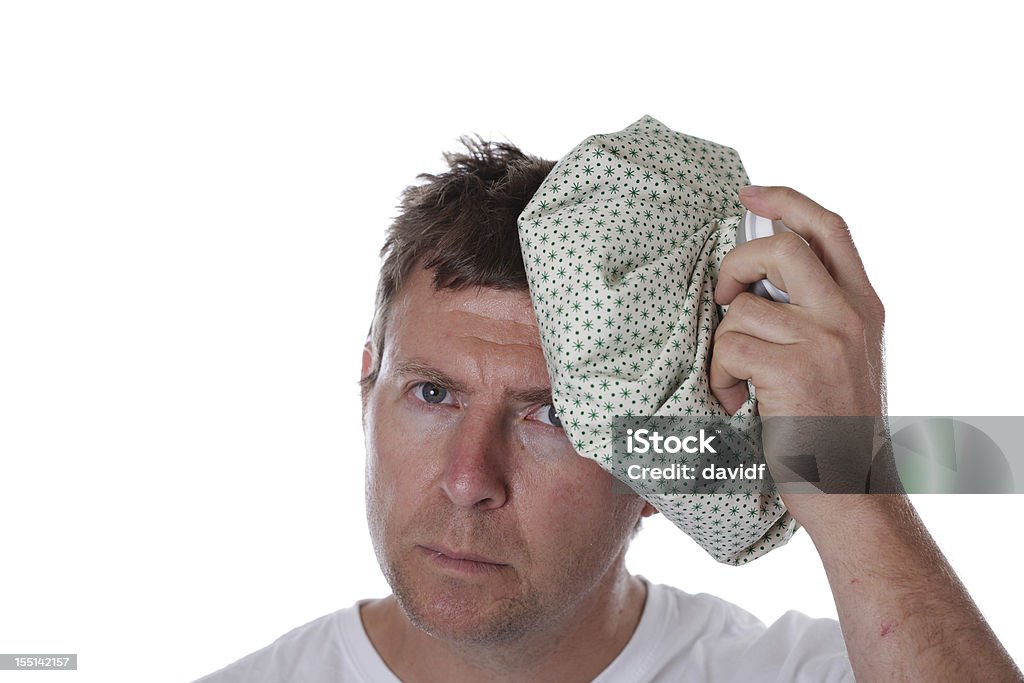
904	613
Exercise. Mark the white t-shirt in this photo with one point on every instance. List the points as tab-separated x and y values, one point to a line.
680	637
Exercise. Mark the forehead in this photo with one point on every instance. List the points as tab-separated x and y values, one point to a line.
474	321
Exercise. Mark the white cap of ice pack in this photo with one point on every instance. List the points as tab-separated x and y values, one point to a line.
755	227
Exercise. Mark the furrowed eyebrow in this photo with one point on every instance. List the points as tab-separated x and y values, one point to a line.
537	395
418	368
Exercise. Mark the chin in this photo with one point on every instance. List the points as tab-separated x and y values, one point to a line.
464	614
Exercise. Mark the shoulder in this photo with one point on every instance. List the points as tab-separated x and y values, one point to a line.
305	653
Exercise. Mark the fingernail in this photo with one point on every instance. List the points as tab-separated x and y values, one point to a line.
750	190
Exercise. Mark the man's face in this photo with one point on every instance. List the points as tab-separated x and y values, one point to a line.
485	521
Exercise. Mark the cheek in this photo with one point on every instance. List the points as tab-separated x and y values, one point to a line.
395	462
596	499
404	438
572	500
546	448
552	453
378	491
406	442
569	480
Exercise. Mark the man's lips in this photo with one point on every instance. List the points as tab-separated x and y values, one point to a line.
471	563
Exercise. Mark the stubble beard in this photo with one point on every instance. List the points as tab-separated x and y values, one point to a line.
446	607
448	616
457	611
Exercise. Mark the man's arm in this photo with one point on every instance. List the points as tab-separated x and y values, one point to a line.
903	612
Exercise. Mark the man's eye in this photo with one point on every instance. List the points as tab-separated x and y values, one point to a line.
430	392
548	415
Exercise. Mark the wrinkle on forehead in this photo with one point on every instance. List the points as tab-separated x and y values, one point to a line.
494	304
498	315
488	350
509	305
481	328
492	334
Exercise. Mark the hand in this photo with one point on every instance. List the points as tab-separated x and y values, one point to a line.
821	354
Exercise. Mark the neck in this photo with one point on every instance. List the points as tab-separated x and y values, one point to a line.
576	645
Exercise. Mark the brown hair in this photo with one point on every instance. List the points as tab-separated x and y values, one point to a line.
461	224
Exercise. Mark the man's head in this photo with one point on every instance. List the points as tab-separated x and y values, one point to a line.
461	226
485	521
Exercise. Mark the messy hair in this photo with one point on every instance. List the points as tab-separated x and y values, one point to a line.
460	224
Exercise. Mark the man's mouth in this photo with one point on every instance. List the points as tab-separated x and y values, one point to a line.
459	561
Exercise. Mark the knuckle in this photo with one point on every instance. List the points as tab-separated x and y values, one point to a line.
851	323
728	344
725	268
727	263
833	221
832	344
740	306
788	192
788	244
877	311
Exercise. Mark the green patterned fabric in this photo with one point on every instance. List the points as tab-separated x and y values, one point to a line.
623	243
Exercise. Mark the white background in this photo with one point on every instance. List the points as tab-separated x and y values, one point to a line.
192	198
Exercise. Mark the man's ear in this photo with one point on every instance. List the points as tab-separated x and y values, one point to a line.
367	359
648	510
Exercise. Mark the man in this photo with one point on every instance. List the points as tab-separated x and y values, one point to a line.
506	550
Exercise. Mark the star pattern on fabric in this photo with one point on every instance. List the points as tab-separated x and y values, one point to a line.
623	243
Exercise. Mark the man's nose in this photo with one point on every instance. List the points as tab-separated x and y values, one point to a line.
477	470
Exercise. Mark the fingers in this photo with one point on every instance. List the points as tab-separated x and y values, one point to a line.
817	355
826	231
732	397
764	319
735	358
750	319
787	262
